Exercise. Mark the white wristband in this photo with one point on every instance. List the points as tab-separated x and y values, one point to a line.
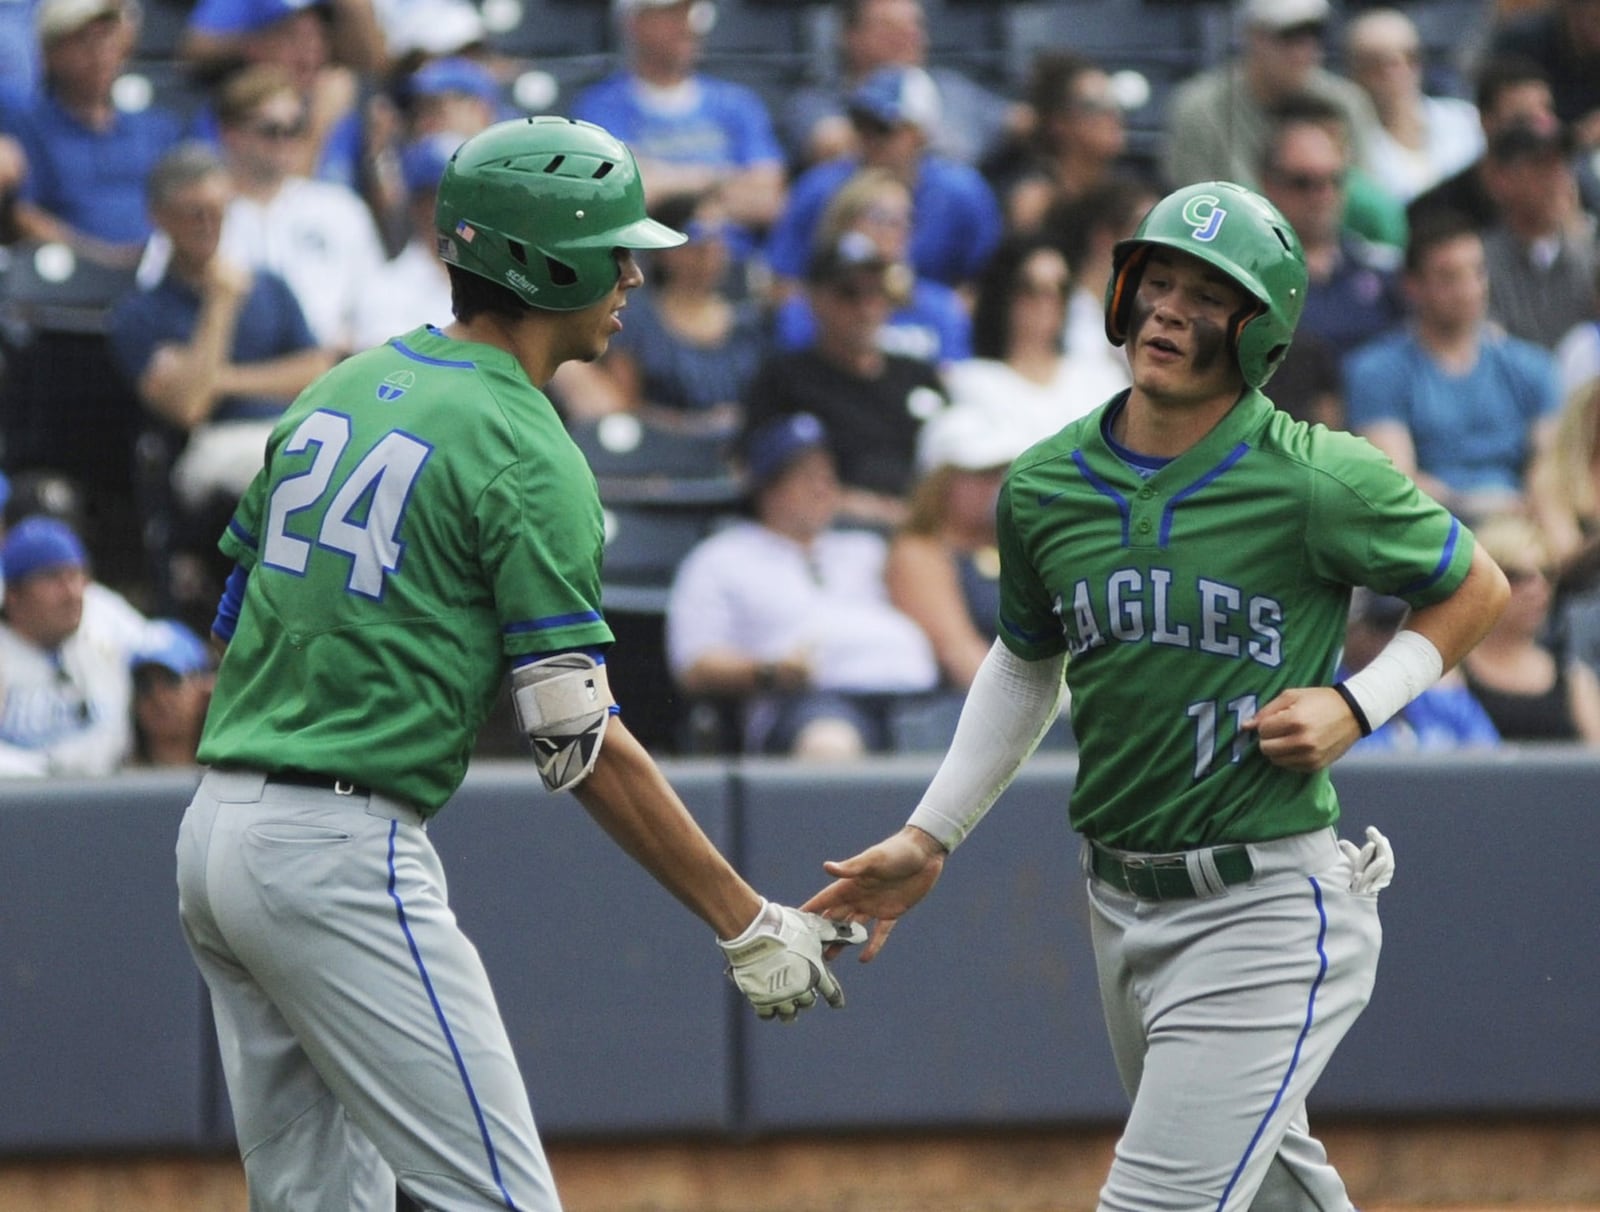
1407	666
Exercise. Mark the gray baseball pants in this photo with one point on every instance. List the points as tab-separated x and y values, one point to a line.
1223	1010
360	1038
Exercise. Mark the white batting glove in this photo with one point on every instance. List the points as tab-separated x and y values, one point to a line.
1372	865
777	962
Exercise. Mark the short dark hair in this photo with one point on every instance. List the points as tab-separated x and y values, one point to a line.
1051	77
473	295
1501	74
1431	229
182	166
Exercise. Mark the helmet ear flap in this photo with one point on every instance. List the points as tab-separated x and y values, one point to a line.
1124	286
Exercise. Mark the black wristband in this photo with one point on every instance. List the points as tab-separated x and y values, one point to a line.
1355	708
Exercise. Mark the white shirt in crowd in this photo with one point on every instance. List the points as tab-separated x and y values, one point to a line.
67	713
1452	139
1037	410
318	237
410	290
749	589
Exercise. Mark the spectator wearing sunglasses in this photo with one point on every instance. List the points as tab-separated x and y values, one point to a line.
1353	292
317	235
956	220
872	404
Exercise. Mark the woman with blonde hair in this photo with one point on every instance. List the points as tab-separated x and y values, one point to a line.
1531	690
943	566
929	320
1564	483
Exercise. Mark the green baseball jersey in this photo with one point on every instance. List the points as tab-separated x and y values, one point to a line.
1188	600
422	517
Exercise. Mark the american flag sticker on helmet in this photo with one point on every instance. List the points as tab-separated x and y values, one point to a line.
465	230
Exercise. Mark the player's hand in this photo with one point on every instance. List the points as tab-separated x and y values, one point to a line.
881	884
1371	865
1305	729
777	962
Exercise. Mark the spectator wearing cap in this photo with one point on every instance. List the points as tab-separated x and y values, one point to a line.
1218	120
788	615
1021	375
956	220
215	350
1540	250
65	640
324	46
930	320
417	31
872	403
413	287
1446	716
690	131
943	568
873	34
688	347
86	159
318	236
172	674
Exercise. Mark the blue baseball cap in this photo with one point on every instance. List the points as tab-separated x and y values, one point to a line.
244	16
39	543
423	161
171	645
898	96
455	74
773	446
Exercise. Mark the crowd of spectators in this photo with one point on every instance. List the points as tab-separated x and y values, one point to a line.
893	283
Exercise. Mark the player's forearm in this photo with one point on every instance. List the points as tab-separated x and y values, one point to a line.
1455	625
630	798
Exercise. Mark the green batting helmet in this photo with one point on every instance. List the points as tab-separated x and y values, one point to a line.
538	204
1244	236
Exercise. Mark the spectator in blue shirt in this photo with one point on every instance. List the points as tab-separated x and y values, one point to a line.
1445	716
930	320
956	221
690	132
87	160
1455	402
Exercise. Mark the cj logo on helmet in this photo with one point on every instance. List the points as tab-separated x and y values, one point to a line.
1204	213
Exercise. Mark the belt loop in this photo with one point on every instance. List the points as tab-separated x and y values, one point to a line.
1203	873
340	787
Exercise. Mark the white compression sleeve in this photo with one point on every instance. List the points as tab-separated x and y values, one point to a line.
1011	703
1407	666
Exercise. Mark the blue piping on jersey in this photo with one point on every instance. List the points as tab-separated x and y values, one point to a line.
1028	637
1294	1059
438	1013
427	361
1105	490
554	620
1234	455
1441	567
243	535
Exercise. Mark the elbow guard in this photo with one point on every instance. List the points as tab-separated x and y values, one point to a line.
562	704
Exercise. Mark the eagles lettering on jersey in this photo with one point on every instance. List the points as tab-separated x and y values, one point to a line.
1131	608
1190	597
